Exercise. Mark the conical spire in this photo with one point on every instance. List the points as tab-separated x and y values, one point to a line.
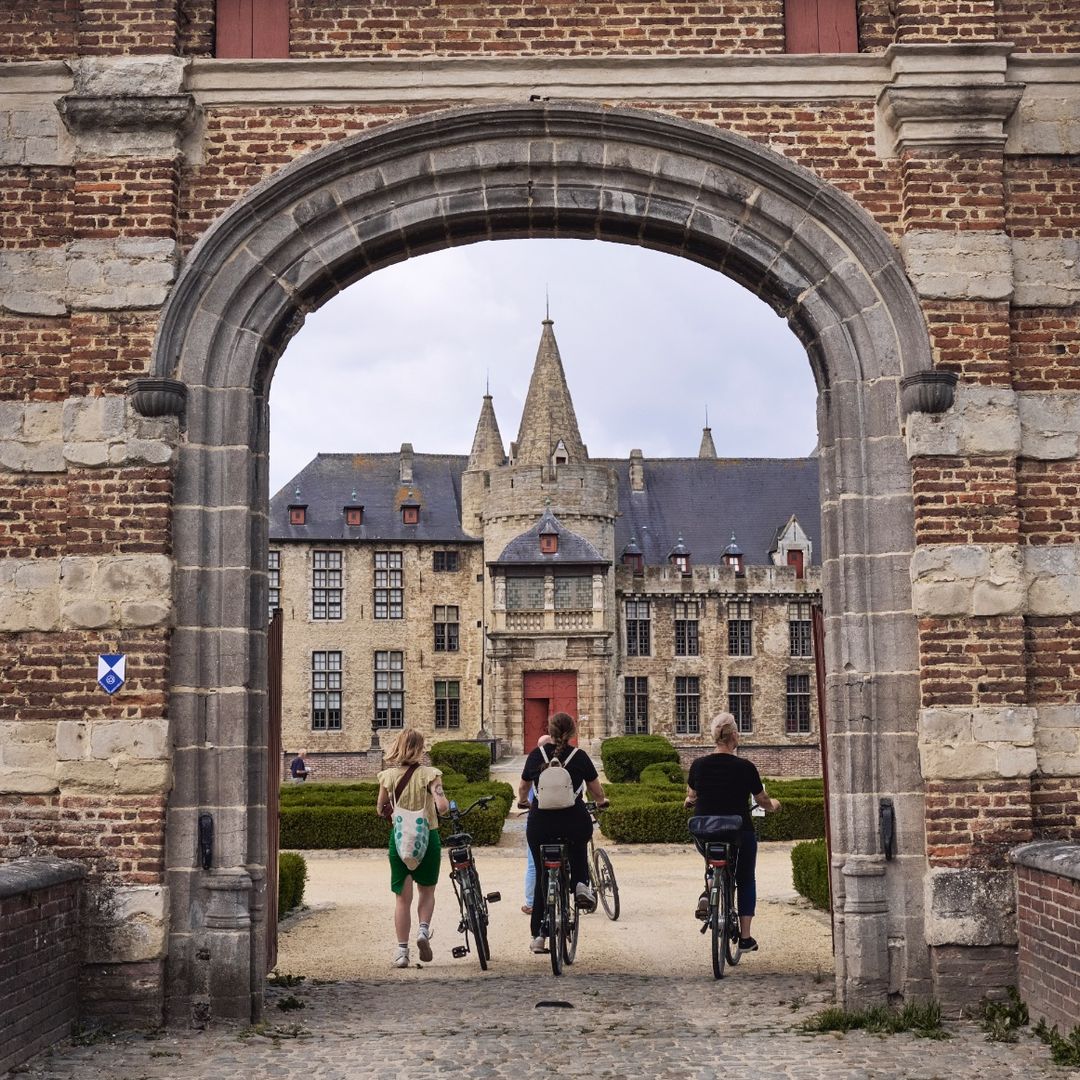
548	416
487	446
708	447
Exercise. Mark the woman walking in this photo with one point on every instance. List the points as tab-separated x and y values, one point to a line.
410	784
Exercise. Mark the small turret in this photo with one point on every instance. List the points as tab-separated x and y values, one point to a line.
487	446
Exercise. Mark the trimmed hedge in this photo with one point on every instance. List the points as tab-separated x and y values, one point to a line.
641	814
626	755
292	876
797	788
471	759
664	774
332	816
810	872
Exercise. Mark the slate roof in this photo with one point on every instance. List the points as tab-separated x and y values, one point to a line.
703	500
326	485
706	500
573	549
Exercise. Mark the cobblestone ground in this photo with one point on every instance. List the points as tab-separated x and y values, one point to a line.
610	1026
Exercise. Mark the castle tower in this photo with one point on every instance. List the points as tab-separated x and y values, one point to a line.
549	429
486	454
708	447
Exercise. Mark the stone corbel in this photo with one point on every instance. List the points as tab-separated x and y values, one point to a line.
943	97
158	397
927	392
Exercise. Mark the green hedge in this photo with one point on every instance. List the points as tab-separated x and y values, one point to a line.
470	758
640	814
663	774
797	788
810	872
626	755
292	876
332	816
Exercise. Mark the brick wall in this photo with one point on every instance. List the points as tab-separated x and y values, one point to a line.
777	761
361	765
1039	25
1048	925
970	822
39	952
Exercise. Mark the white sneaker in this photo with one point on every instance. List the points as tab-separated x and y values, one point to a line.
401	956
584	897
537	945
423	944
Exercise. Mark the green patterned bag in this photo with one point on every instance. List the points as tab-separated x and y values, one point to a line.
411	830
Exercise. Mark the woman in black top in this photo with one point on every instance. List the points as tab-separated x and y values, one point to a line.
724	783
572	824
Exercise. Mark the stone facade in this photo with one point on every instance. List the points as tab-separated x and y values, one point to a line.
173	215
567	618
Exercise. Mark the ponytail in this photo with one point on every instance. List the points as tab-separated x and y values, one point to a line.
561	728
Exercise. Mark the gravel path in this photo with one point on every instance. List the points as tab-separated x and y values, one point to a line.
348	933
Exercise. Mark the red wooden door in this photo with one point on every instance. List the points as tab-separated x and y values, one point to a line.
821	26
544	693
795	558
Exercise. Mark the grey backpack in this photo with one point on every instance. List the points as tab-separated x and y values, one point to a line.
555	789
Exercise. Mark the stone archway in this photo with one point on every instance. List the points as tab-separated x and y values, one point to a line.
555	171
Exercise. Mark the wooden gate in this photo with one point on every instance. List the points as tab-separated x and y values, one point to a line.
544	693
273	783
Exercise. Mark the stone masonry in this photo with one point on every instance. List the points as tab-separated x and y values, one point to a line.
169	218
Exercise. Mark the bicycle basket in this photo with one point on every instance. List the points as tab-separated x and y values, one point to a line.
720	828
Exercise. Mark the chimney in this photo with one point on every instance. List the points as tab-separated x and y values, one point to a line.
405	466
637	471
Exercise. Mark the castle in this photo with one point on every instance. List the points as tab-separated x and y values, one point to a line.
471	597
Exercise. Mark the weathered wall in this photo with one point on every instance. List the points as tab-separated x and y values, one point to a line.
959	147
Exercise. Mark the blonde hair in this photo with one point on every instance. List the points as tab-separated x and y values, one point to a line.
407	748
724	729
561	728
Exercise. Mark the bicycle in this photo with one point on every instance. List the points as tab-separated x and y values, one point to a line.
717	838
472	901
560	922
603	875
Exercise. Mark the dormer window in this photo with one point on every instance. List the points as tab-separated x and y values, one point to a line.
560	456
549	543
733	557
354	515
410	511
298	514
679	557
632	556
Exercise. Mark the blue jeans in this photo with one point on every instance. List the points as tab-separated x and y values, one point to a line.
746	886
530	878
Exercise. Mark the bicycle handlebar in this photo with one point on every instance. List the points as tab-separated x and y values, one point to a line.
481	802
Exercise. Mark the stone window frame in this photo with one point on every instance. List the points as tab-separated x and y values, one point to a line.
327	682
741	628
800	629
638	632
451	705
797	705
445	562
687	636
389	697
447	630
273	580
327	585
740	701
635	705
388	597
687	705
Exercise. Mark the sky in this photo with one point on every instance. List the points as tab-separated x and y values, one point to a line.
649	343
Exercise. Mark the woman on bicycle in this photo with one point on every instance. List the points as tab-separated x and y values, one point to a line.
572	824
724	783
423	787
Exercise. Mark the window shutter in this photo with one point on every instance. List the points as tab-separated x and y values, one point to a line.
821	26
248	29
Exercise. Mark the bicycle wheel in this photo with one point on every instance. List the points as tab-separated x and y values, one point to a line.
482	914
718	926
604	883
475	917
570	930
556	923
733	935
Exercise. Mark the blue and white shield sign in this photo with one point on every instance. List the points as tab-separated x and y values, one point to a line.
110	671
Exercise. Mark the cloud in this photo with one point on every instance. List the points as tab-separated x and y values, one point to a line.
648	341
